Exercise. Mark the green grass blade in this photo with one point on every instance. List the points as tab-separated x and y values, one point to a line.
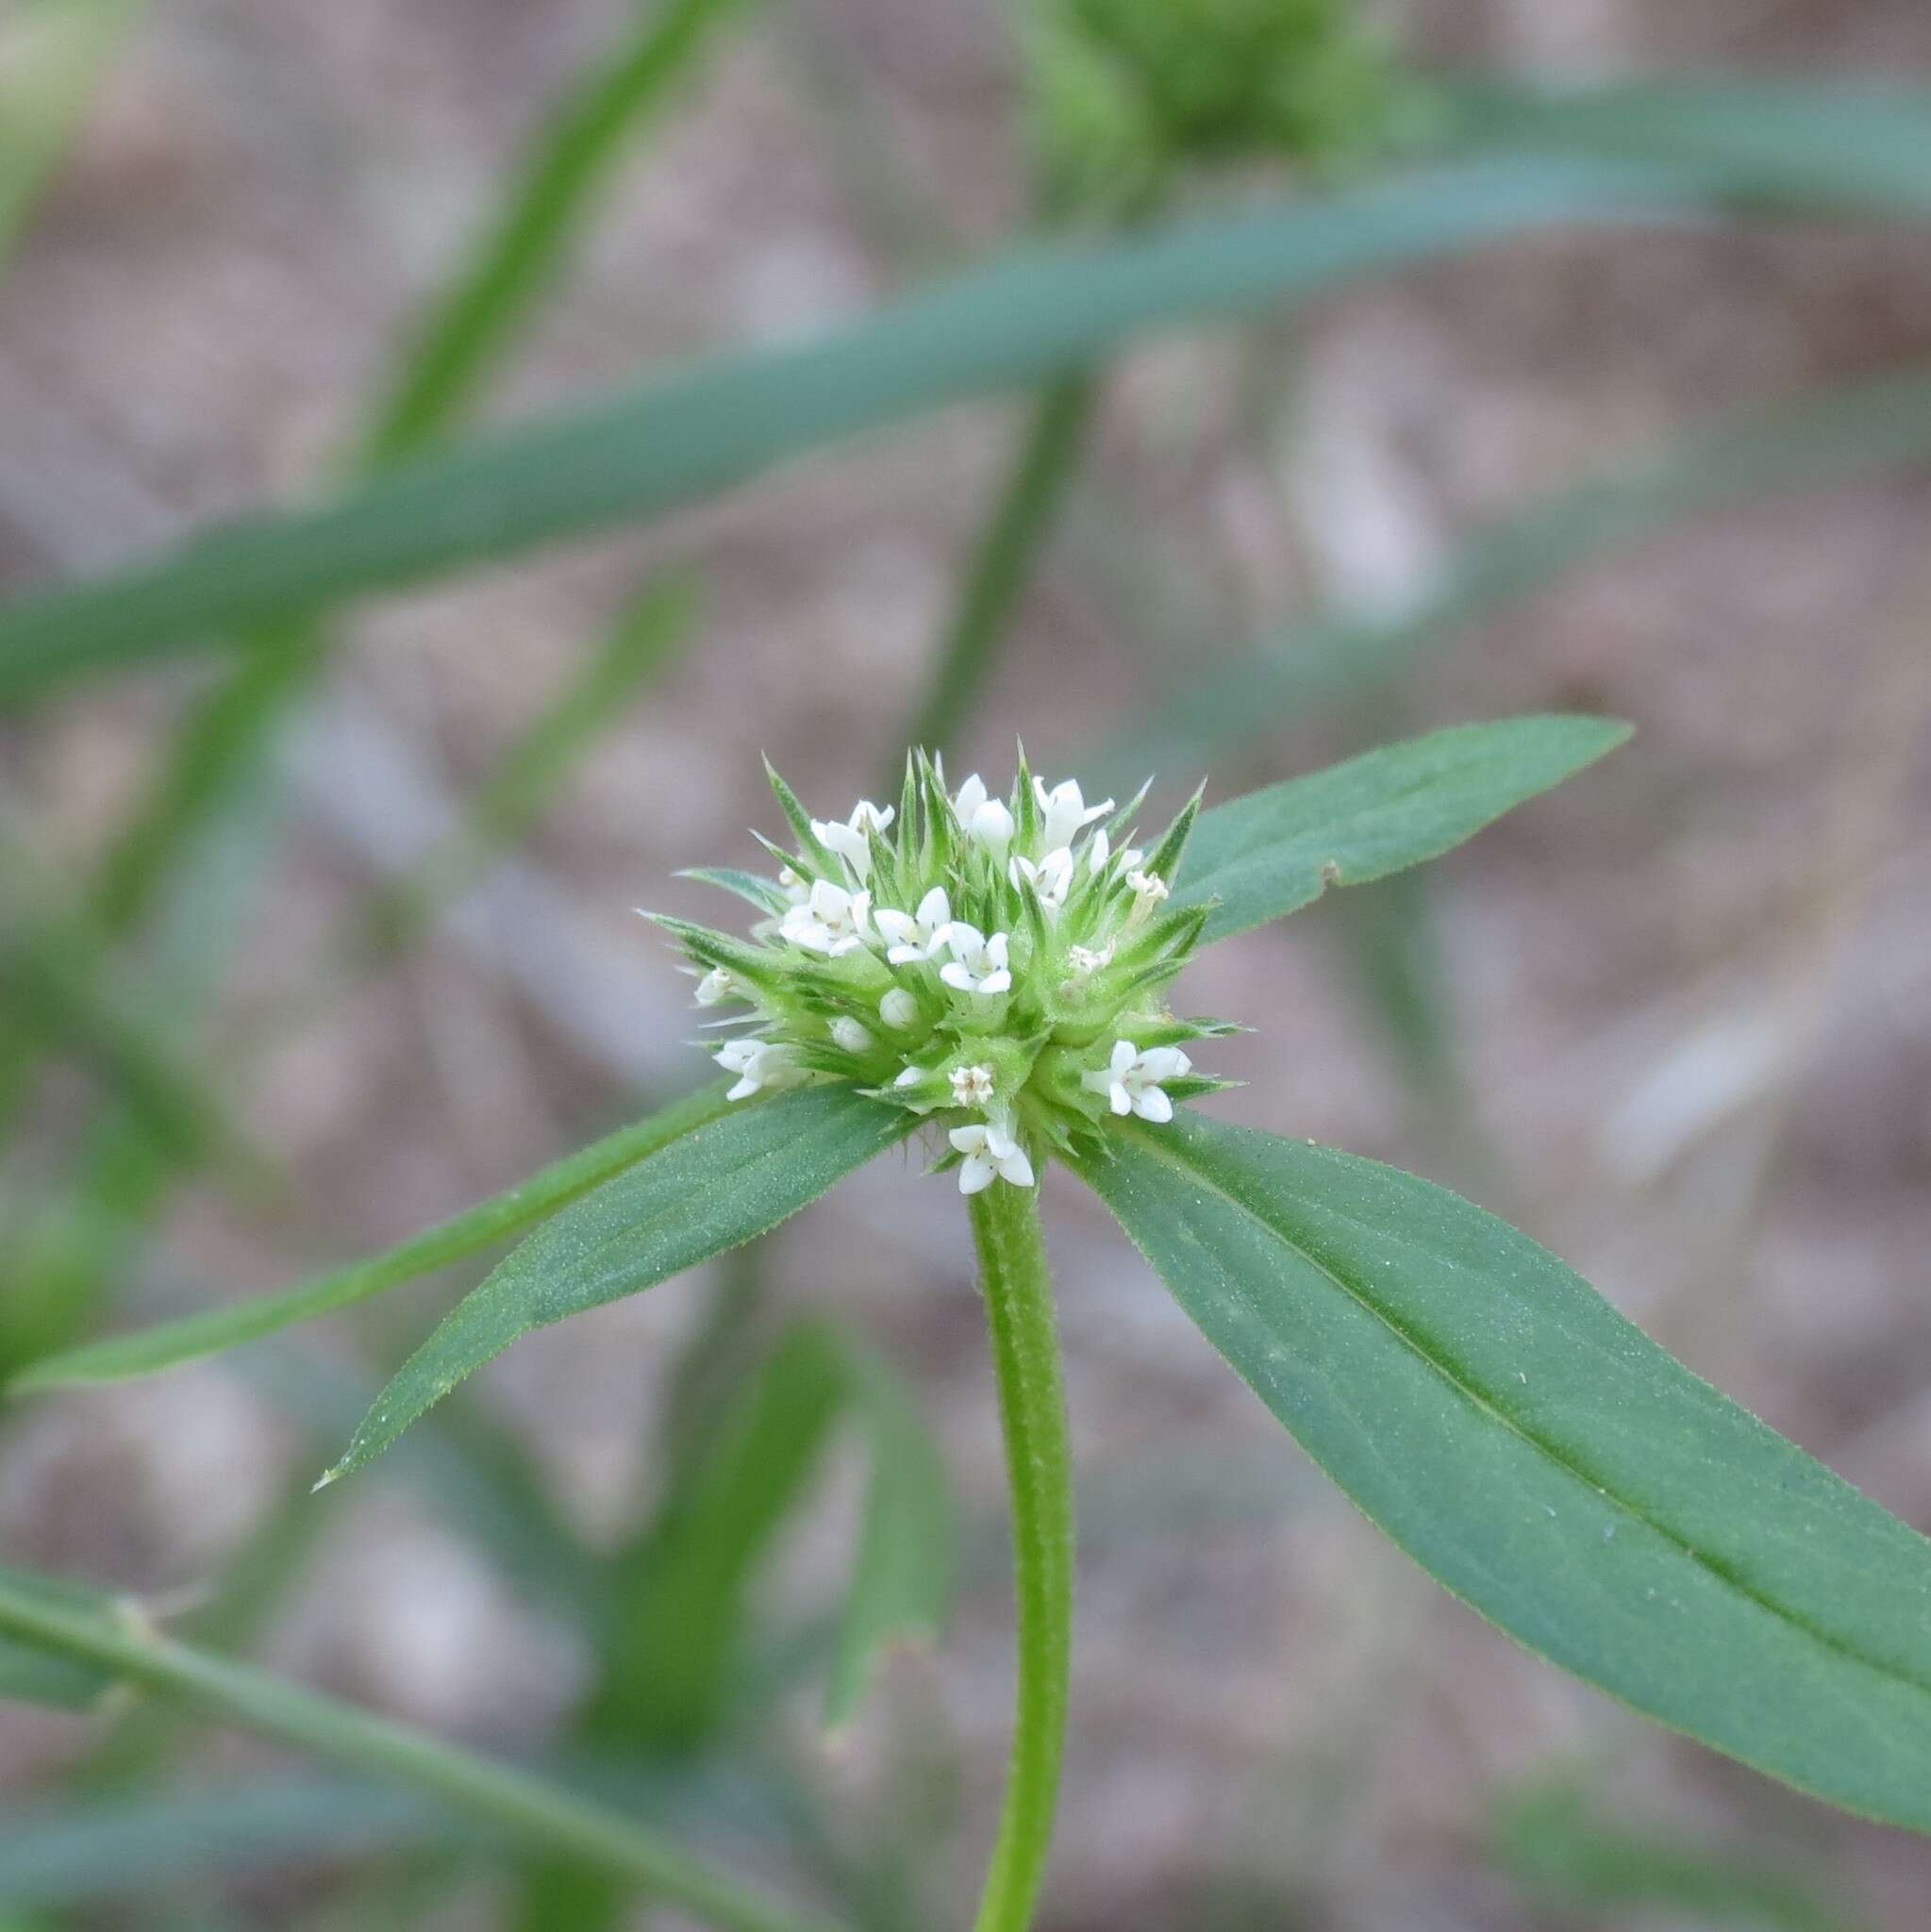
194	1337
1273	851
1024	319
1545	1461
736	1176
85	1853
30	1674
1550	1844
1847	433
51	58
1001	566
1863	147
534	1813
907	1557
571	160
681	1606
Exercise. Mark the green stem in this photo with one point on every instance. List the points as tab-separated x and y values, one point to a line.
540	1814
1003	561
1032	1411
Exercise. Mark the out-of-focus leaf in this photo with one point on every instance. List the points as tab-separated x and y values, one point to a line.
1548	1843
51	58
78	1853
194	1337
1028	316
1547	1462
496	813
1859	429
519	1807
679	1605
908	1555
32	1675
736	1176
1858	146
1272	851
539	217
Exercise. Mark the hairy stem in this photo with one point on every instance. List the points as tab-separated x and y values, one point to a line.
1032	1411
541	1815
1003	562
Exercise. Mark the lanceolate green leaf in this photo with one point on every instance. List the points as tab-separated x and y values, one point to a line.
194	1337
1024	318
1272	851
737	1176
1546	1461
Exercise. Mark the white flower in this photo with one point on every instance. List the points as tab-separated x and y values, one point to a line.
1132	1082
1128	860
971	1086
759	1063
915	935
989	1153
1149	888
1096	849
851	840
716	986
830	921
1050	880
978	963
797	889
1067	813
985	818
899	1008
849	1034
910	1076
1087	961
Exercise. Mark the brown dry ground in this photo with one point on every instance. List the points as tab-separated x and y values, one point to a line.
1687	993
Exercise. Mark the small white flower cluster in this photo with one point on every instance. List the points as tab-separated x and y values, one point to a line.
998	965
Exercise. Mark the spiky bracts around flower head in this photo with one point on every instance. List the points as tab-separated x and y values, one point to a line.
999	966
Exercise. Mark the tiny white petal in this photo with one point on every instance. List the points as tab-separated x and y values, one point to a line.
898	1008
849	1034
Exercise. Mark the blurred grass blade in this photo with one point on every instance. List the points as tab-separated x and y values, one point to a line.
80	1853
1860	146
502	808
32	1675
996	578
51	58
572	159
1545	1461
1273	851
907	1557
1850	432
215	770
1031	315
680	1606
194	1337
534	1813
1548	1843
735	1176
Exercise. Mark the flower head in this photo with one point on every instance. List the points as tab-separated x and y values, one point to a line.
997	965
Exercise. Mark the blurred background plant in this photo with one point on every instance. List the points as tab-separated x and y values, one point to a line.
1388	367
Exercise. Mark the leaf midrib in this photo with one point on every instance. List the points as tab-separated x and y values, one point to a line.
1562	1461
